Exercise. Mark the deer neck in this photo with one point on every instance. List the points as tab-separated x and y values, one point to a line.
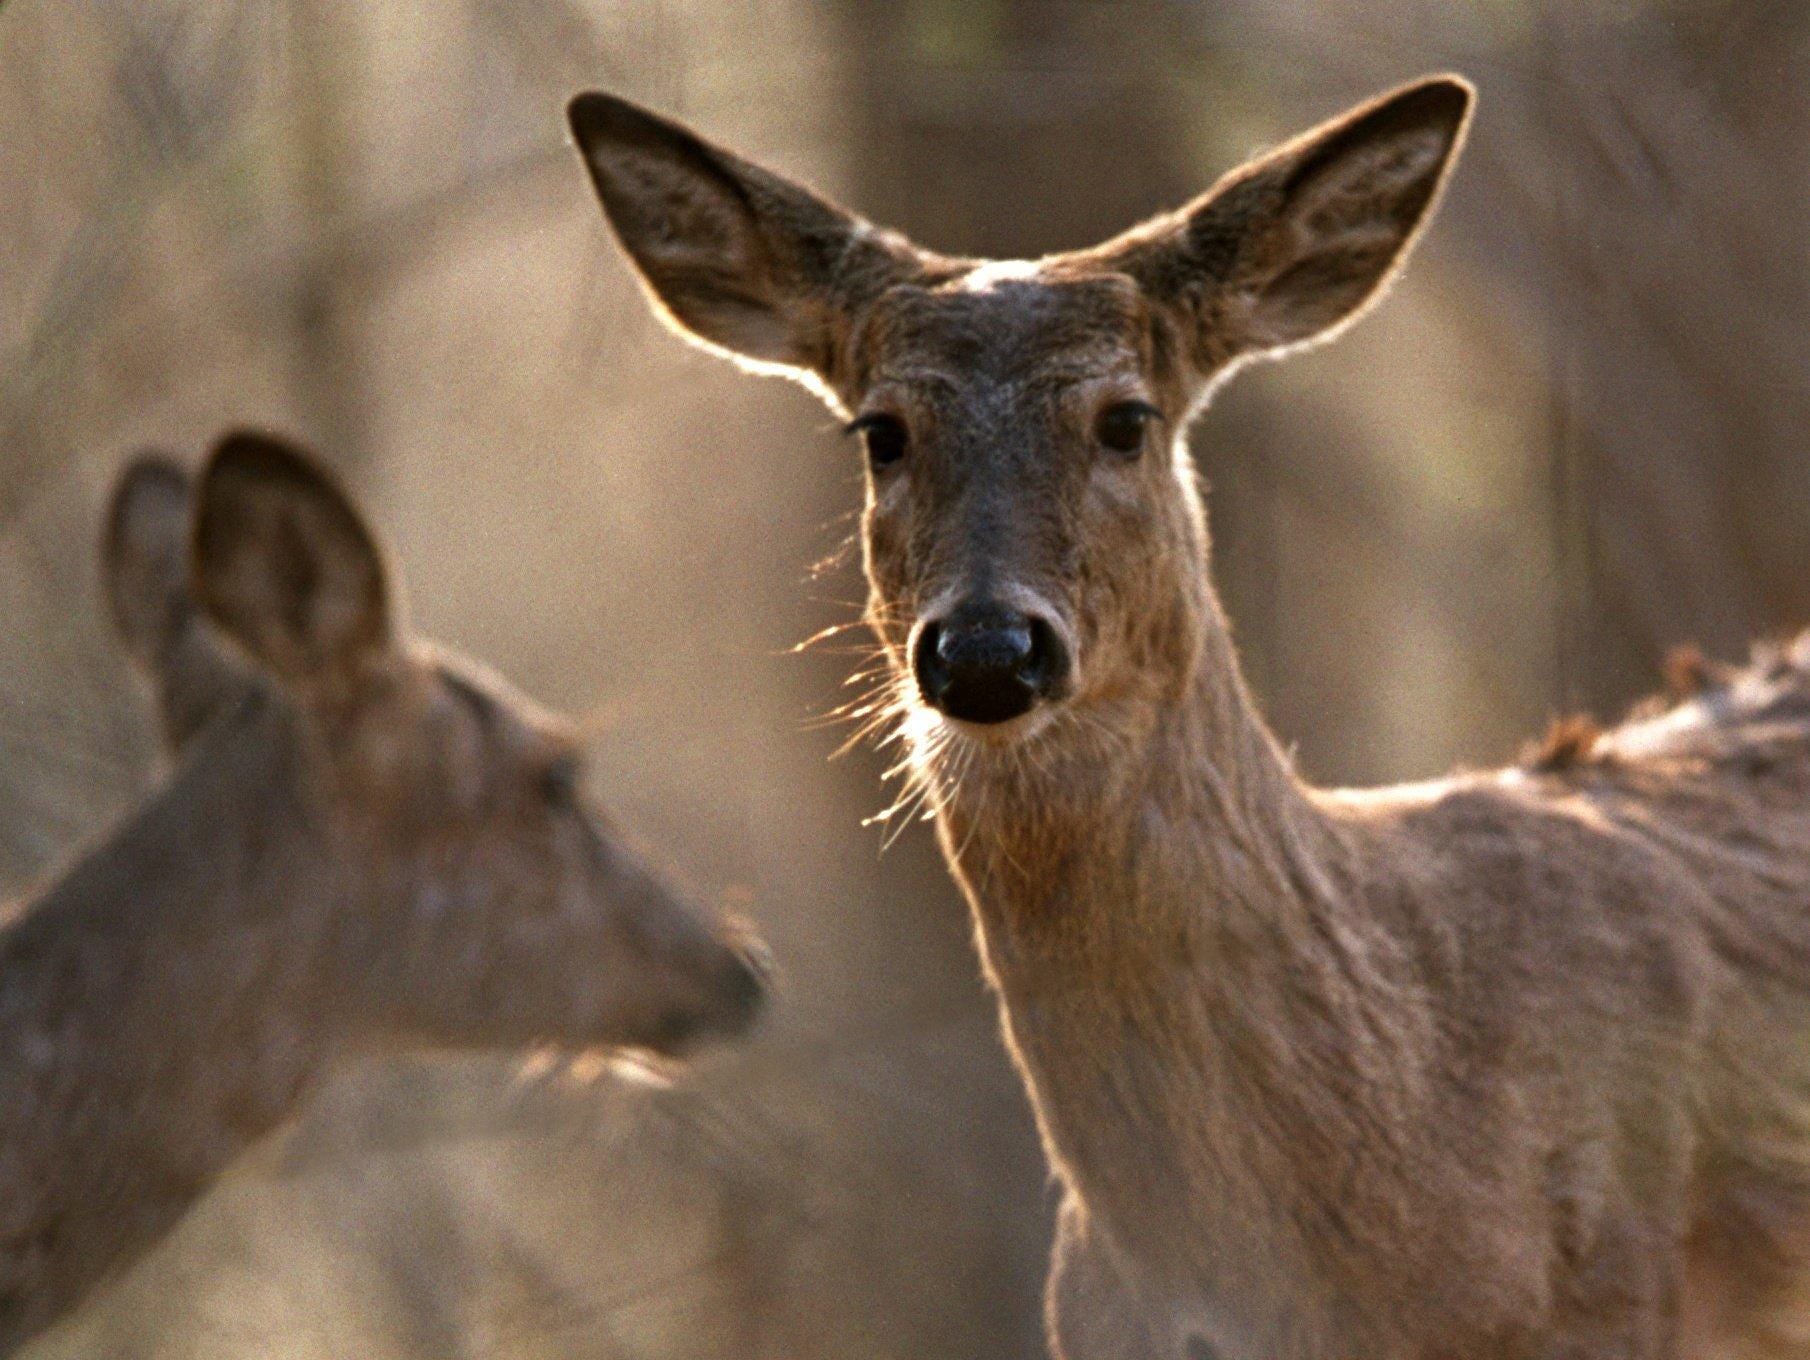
158	1012
1163	811
1167	917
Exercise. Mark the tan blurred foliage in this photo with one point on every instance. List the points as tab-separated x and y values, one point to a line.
1571	438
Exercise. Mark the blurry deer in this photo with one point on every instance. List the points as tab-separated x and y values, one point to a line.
1514	1064
365	845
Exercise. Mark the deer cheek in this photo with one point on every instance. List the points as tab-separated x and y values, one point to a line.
885	564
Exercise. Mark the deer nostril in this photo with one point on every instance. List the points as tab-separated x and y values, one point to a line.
985	663
1046	665
748	983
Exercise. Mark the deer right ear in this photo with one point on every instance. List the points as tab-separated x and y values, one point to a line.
286	568
737	257
145	564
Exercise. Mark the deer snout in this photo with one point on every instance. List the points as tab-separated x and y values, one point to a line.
986	662
732	989
743	986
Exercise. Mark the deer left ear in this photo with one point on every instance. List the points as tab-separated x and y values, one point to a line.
1291	247
735	256
144	558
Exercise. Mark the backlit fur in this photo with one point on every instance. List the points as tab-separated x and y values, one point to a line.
1505	1066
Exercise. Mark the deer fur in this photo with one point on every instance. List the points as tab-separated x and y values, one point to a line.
366	844
1511	1064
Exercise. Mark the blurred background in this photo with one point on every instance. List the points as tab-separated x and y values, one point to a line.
1572	438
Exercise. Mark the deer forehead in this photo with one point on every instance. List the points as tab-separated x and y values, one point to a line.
990	274
451	725
1015	324
503	719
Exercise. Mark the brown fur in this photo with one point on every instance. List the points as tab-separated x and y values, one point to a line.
365	844
1509	1065
1687	672
1568	742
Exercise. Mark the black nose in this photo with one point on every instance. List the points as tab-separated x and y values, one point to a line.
738	990
986	663
748	981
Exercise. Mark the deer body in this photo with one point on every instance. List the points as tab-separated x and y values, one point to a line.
1507	1067
364	846
148	1035
1442	1071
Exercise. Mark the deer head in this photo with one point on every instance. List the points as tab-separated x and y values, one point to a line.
1032	536
474	895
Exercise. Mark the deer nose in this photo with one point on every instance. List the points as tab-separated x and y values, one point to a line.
747	982
988	663
737	992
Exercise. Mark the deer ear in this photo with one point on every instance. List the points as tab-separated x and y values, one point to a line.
734	256
286	568
145	561
145	564
1291	247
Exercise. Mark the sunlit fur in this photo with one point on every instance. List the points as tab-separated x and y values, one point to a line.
1509	1066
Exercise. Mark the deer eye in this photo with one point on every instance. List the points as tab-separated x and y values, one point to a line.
883	436
1121	426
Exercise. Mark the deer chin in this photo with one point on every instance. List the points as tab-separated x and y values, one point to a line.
645	1067
658	1048
933	730
584	1066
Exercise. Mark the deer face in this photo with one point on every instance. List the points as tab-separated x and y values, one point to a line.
1014	421
1030	525
479	897
504	907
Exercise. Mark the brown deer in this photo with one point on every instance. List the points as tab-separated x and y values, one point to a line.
366	844
1513	1064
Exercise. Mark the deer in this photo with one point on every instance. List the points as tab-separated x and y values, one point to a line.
366	845
1508	1065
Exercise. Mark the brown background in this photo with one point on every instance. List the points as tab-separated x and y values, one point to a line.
1573	437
